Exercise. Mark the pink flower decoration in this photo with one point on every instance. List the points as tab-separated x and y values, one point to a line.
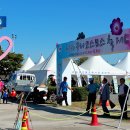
116	26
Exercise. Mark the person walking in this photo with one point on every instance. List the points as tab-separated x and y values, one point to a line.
5	96
92	89
1	88
64	88
122	93
105	95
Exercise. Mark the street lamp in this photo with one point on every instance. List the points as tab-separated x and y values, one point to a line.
13	37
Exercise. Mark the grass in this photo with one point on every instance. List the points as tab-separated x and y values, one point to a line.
77	105
80	104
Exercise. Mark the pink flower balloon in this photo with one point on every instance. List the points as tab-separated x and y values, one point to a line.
9	47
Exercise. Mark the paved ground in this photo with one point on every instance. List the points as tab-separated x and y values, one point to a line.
45	117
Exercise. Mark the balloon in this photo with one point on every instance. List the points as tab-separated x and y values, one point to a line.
13	93
9	47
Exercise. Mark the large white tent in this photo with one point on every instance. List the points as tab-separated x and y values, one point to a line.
96	65
124	64
44	69
27	65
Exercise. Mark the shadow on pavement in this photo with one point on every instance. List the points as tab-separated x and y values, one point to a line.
51	109
59	110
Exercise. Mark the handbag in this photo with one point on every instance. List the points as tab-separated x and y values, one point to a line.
112	105
59	99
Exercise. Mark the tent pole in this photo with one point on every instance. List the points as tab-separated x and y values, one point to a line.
81	72
123	108
75	72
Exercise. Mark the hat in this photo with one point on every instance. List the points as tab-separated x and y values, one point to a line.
91	79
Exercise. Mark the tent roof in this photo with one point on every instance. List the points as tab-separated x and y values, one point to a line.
40	60
48	64
77	69
27	65
96	65
124	64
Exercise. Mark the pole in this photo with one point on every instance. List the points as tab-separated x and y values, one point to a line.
124	107
80	72
13	38
75	73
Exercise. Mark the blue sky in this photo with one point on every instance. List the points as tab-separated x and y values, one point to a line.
40	24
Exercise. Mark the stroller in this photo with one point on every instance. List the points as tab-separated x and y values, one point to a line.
56	99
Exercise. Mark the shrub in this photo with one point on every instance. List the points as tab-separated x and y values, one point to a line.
79	94
50	90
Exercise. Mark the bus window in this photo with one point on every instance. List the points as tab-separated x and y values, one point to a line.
21	77
24	77
28	77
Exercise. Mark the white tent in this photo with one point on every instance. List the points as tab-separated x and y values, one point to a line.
44	69
96	65
27	65
39	64
124	64
48	64
73	69
40	60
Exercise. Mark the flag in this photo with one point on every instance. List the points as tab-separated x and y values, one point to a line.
2	21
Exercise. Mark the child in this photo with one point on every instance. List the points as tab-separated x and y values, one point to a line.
13	94
5	96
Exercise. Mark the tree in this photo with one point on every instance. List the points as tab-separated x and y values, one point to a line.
79	61
81	36
11	63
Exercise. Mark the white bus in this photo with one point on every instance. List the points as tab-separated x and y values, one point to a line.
26	82
22	82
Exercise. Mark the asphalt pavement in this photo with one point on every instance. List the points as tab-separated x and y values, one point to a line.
46	117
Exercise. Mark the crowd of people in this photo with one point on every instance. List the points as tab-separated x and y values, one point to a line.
74	82
93	88
4	93
104	89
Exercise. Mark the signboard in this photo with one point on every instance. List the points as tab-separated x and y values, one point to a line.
98	45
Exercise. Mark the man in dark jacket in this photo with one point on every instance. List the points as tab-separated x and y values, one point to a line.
122	93
105	95
92	89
